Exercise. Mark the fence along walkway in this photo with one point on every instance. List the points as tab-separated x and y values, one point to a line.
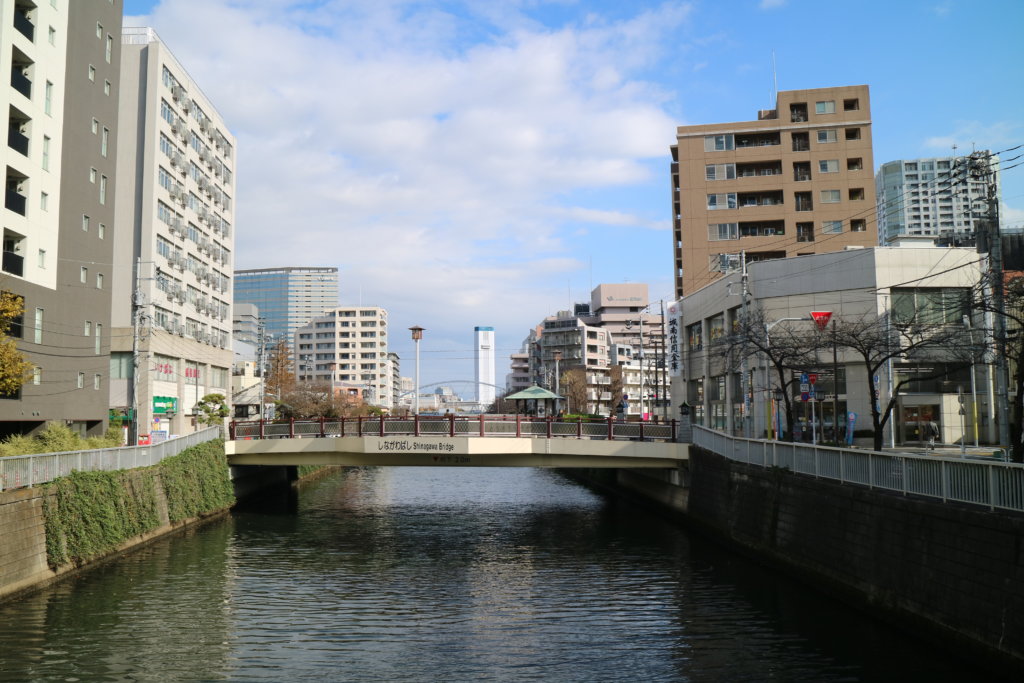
451	425
19	471
992	484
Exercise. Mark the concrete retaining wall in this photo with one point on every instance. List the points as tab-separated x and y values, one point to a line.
952	571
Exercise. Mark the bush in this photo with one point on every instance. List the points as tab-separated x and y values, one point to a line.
57	437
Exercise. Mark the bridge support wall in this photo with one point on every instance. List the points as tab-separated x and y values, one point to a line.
951	572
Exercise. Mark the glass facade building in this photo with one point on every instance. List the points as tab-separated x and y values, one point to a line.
287	298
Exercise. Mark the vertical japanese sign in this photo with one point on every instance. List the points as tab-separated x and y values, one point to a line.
674	351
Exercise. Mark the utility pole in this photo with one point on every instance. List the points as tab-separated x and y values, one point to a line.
980	165
140	317
746	380
261	366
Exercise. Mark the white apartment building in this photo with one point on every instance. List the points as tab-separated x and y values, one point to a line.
348	348
934	197
175	217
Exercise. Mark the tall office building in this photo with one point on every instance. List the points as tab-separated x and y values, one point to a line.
58	213
287	297
796	181
347	348
483	363
174	242
935	197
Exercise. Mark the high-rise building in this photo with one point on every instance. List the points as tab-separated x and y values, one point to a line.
288	298
58	212
483	364
936	197
347	347
796	181
174	242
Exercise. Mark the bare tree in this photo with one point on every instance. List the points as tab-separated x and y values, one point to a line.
280	379
911	335
786	348
1013	312
573	384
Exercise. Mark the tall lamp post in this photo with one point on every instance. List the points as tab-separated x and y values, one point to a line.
417	334
557	355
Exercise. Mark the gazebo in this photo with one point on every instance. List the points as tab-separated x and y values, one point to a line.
544	402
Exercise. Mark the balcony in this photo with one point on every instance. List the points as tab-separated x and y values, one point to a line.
17	140
13	263
757	140
801	142
24	25
20	82
15	202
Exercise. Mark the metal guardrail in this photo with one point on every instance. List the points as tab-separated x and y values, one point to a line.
483	426
992	484
20	471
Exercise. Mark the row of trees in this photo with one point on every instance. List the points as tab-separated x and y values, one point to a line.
936	332
296	399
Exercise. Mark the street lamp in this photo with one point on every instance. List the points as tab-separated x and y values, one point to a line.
557	355
417	334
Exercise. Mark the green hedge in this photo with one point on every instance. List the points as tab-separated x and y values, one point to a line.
89	514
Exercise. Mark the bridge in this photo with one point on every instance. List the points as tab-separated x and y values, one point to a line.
451	441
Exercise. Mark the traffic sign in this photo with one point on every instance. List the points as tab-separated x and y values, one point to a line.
805	396
812	377
804	378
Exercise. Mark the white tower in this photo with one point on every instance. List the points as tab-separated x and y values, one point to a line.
484	357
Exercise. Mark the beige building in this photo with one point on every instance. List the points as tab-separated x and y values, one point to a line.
797	181
347	347
174	243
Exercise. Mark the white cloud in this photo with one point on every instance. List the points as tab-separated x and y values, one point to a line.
772	4
971	135
428	154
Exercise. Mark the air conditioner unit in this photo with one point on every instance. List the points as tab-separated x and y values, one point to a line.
186	104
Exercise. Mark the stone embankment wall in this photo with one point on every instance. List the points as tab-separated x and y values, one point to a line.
57	528
954	572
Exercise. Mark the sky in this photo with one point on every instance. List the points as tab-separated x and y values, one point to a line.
487	162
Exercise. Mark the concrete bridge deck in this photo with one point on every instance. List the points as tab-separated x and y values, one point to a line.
457	451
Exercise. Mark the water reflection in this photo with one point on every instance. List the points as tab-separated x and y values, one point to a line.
449	574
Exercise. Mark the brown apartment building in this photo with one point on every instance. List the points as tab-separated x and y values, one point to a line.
798	180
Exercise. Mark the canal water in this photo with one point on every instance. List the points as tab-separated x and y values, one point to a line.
419	574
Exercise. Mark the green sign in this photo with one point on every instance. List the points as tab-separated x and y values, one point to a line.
164	404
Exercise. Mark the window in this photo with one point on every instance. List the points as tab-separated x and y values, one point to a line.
805	232
721	201
720	171
853	133
832	227
95	126
99	30
852	104
106	88
723	231
92	73
41	259
856	193
87	328
830	196
98	344
99	280
826	136
81	380
96	381
83	274
46	152
53	36
37	376
930	305
104	140
712	143
855	164
38	336
101	231
858	225
109	48
103	189
829	166
85	222
44	201
826	107
48	98
92	175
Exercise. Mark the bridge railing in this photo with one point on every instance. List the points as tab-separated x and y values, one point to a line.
20	471
992	484
452	425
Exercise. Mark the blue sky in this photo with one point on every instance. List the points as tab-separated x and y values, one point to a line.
478	162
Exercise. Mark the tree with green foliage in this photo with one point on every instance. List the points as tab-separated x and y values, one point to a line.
212	409
14	369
